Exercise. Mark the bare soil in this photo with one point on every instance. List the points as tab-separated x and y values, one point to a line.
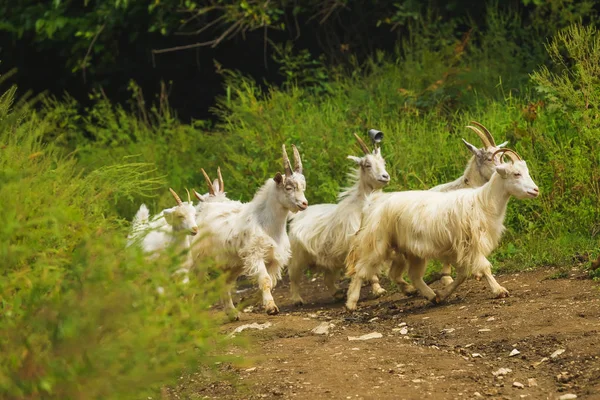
449	351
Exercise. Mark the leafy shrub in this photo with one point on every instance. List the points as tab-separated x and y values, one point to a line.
80	315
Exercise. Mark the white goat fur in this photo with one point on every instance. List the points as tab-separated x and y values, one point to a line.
251	238
461	227
320	237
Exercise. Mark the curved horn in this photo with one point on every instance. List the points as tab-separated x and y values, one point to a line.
297	160
198	195
362	145
211	190
486	131
513	155
482	136
286	162
220	178
177	199
189	198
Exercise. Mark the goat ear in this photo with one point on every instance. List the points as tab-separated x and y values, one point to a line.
502	144
216	186
357	160
278	178
168	214
471	148
502	170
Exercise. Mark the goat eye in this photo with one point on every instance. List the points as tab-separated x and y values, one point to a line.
367	165
289	188
517	174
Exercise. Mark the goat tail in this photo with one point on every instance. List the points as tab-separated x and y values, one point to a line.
140	219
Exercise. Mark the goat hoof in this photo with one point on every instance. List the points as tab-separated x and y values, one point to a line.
437	299
501	294
233	317
446	280
350	307
298	303
272	310
409	291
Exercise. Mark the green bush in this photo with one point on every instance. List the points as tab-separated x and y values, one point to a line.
81	316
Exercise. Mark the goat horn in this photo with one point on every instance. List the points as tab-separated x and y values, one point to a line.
297	160
362	145
220	177
482	136
513	155
198	195
189	198
177	199
486	131
286	162
211	190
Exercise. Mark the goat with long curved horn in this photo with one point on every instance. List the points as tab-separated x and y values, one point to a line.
177	199
287	166
362	145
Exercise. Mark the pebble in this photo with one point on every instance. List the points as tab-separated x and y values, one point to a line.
490	319
567	396
404	331
518	385
248	309
485	330
531	382
477	394
373	319
254	325
502	371
557	353
251	369
401	324
368	336
448	330
323	328
514	352
476	355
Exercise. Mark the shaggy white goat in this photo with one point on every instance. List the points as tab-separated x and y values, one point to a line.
171	228
479	170
251	238
320	236
461	227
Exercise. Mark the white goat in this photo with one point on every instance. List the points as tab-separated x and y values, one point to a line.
479	170
171	228
251	238
320	236
461	227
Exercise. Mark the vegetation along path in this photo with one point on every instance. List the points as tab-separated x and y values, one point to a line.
542	342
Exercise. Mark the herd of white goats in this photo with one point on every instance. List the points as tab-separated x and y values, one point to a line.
458	223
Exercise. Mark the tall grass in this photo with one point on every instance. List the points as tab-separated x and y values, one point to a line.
80	315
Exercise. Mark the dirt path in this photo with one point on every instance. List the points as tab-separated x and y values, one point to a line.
446	352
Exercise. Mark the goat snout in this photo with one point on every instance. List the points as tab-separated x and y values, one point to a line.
303	205
194	231
535	192
384	178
